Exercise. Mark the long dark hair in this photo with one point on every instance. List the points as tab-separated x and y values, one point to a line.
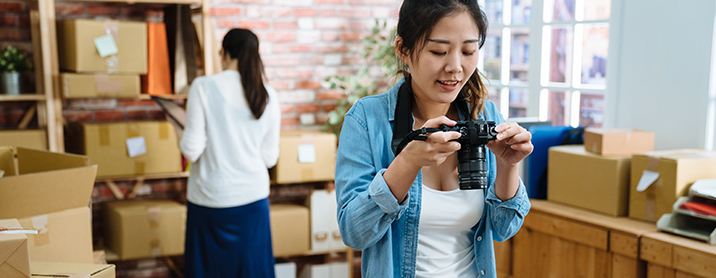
243	44
415	24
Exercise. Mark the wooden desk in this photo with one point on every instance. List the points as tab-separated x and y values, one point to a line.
562	241
672	256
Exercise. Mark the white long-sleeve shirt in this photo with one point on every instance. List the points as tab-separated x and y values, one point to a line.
229	149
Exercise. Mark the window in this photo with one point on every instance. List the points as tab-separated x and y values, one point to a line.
551	65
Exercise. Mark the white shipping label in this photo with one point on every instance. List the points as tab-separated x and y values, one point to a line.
647	178
306	153
136	146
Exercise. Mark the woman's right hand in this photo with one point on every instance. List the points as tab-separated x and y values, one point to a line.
436	149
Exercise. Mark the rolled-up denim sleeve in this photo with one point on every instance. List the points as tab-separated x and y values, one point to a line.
366	206
507	216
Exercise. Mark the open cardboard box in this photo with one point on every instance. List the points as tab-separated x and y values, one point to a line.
49	192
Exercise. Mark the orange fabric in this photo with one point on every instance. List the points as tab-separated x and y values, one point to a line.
157	81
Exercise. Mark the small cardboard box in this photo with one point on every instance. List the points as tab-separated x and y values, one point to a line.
325	234
305	156
108	146
587	180
72	270
49	192
618	141
76	85
659	178
78	41
332	270
26	138
289	229
14	252
144	228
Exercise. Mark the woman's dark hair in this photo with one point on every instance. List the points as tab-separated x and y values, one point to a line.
243	45
415	24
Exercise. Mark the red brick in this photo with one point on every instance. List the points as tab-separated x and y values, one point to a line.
223	11
8	20
328	12
307	108
351	36
300	48
14	34
252	1
108	116
11	7
352	60
286	73
308	85
254	24
329	107
135	102
102	9
23	21
330	36
329	2
285	25
281	85
380	2
11	117
355	13
137	115
277	12
329	95
305	74
274	61
280	37
305	12
312	60
286	108
330	23
279	48
290	121
334	48
158	13
77	116
226	24
357	25
157	115
161	186
64	9
132	11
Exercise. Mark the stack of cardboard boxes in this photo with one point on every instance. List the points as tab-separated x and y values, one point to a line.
49	193
617	172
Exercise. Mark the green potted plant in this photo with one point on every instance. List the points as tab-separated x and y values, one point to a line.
12	63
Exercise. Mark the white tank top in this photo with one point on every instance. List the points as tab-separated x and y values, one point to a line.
445	238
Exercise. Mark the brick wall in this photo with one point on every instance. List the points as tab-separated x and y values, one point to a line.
302	42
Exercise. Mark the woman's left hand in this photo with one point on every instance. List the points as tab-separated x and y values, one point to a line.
513	143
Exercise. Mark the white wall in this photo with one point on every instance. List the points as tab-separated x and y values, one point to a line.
664	50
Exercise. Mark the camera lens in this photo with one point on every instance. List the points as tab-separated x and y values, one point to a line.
472	167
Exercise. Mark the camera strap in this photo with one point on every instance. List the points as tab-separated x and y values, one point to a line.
403	131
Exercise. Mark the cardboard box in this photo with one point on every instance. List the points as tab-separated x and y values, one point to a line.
27	138
325	234
289	229
78	51
144	228
76	85
70	270
331	270
305	157
668	175
107	146
618	141
587	180
49	192
14	253
285	270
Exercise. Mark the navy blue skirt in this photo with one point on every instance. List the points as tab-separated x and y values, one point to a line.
229	242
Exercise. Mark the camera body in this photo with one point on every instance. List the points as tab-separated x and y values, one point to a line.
472	156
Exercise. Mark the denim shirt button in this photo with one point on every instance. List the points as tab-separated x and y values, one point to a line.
479	238
482	272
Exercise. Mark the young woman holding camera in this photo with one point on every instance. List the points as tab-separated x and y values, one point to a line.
406	212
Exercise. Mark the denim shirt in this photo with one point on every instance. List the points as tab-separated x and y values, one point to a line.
370	217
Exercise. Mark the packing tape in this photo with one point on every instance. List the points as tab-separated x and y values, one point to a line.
652	164
307	138
103	135
156	247
40	224
627	138
163	131
154	213
111	27
307	174
106	86
140	167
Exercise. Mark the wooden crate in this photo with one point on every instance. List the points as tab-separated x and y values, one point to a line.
671	256
562	241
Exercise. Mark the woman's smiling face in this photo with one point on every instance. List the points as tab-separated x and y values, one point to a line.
449	57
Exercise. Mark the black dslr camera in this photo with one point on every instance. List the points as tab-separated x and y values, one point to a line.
472	163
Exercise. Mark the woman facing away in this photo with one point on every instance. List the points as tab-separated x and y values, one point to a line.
231	137
406	211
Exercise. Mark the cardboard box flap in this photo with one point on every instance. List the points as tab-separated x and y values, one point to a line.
681	154
13	250
580	150
46	192
28	161
48	269
7	161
